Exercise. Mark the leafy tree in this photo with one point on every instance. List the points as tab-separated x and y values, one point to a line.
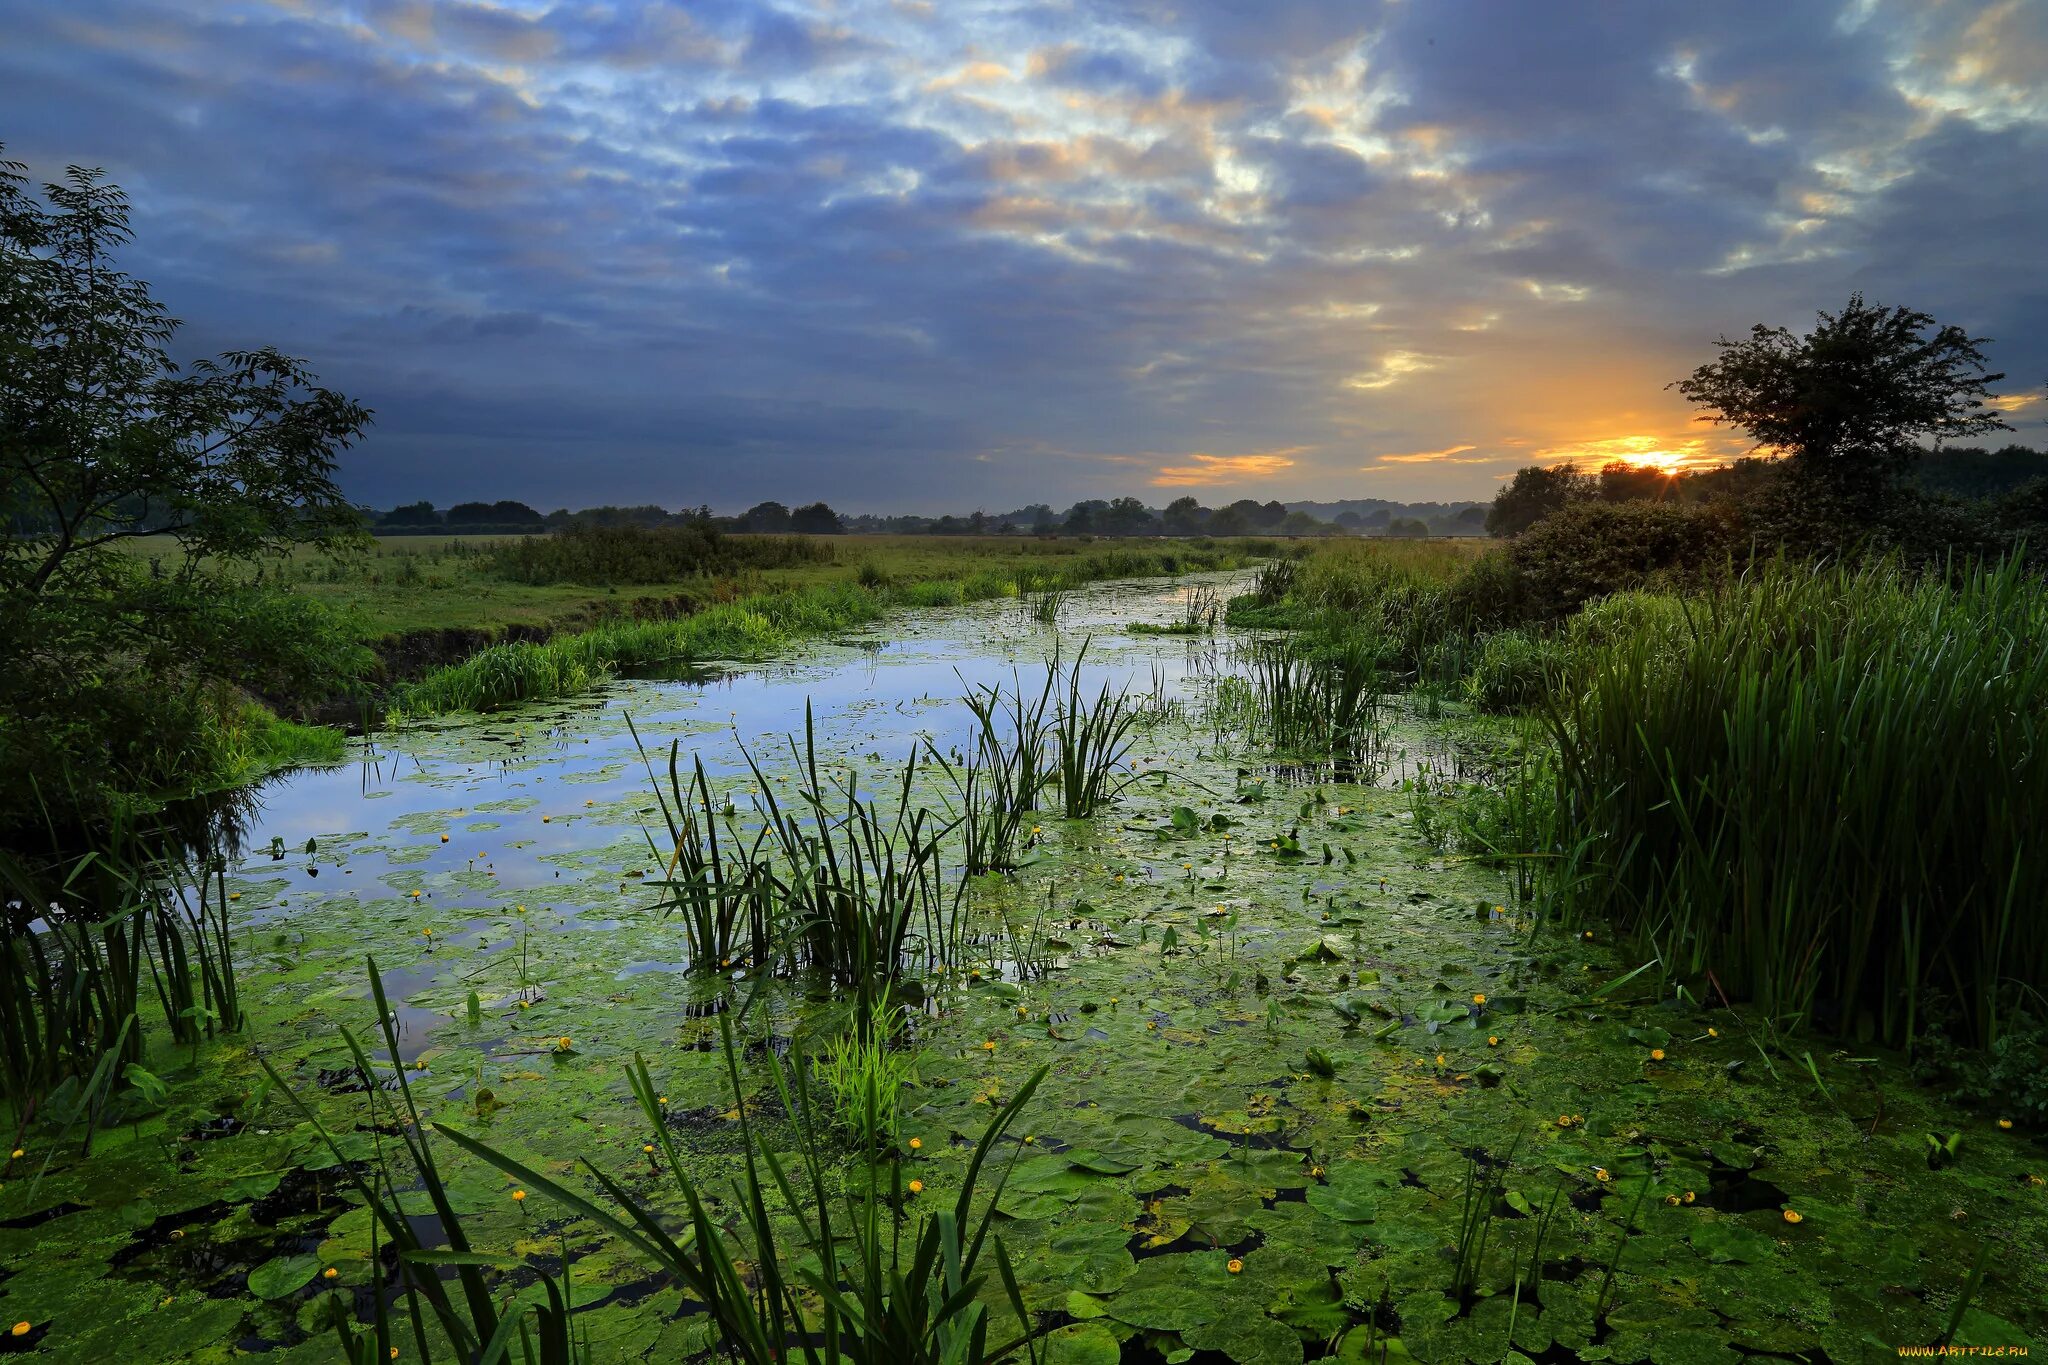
1620	481
1085	517
1126	517
1407	528
765	516
1184	517
1229	521
1850	402
505	513
116	682
420	513
1533	494
104	439
816	520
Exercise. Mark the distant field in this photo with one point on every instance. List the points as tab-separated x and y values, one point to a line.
402	583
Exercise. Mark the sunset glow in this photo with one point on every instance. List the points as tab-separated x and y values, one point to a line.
930	256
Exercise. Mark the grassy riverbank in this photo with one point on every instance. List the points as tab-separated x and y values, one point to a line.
761	623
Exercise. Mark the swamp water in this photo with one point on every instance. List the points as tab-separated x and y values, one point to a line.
1288	1042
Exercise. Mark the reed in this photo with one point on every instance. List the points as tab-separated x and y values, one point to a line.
852	1285
1090	739
853	882
1825	788
720	887
997	783
82	941
471	1323
1317	692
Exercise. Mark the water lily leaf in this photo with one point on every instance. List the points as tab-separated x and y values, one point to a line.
1100	1163
1248	1339
1328	948
1344	1207
1165	1307
1083	1343
1724	1241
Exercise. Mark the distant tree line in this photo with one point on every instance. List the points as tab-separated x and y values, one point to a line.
1117	516
1113	517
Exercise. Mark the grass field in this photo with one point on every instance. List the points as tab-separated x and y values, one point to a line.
404	583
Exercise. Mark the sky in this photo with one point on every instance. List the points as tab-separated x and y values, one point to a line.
933	255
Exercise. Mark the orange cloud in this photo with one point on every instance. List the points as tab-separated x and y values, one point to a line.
1210	470
1448	455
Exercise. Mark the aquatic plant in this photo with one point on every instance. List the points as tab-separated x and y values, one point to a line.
1317	692
853	882
1091	739
81	942
997	782
863	1075
859	1289
472	1323
1825	787
721	888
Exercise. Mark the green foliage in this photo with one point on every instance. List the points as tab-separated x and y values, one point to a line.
1514	670
1826	787
854	1286
118	686
1090	740
1588	549
1851	401
863	1075
2009	1078
85	943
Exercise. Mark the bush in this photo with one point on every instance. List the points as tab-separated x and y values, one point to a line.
1589	549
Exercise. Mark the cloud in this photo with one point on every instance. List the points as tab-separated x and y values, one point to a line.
1448	455
1209	471
847	248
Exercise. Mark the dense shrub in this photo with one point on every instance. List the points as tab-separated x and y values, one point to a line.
126	690
1588	549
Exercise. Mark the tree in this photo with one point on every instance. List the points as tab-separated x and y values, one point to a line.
816	520
765	516
113	681
1126	517
1407	528
1849	403
1184	517
504	513
1533	494
1229	521
1084	517
103	439
1621	481
420	513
